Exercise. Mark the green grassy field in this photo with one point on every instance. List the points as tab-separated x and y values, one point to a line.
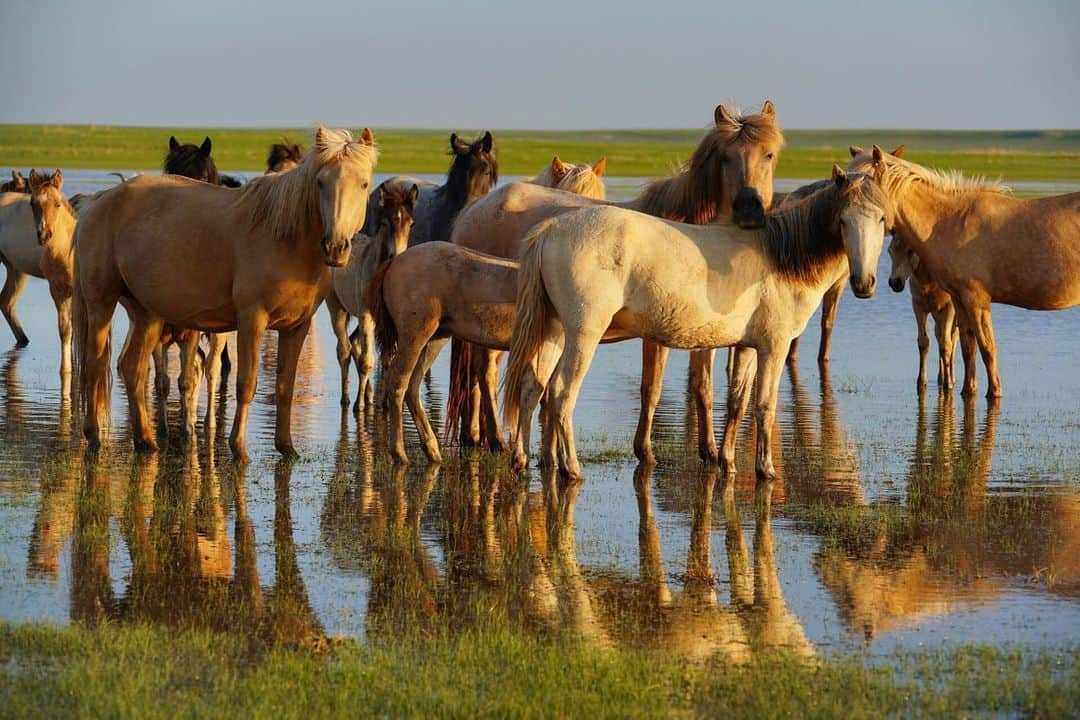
143	672
1019	155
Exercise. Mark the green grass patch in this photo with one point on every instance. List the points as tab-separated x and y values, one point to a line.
147	673
1019	155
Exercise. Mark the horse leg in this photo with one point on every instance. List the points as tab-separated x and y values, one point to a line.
948	332
770	366
921	322
363	352
653	360
575	361
160	354
13	287
339	321
978	322
290	343
412	397
191	372
214	356
62	300
744	361
249	336
487	370
134	366
701	367
403	372
829	305
533	385
792	355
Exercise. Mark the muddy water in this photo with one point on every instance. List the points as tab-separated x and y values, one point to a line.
896	521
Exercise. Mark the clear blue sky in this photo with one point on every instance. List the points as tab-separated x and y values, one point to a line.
544	64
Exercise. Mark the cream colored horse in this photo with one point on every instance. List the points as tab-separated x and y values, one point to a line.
983	246
581	179
928	299
349	294
36	240
606	271
730	174
212	259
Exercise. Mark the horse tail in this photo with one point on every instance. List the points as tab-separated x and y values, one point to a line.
80	330
386	335
462	379
530	325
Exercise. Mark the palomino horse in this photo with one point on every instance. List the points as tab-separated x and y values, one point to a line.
473	172
35	239
927	299
283	156
729	175
983	246
605	272
17	183
251	260
348	296
469	369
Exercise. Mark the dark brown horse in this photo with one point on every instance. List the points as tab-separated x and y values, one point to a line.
283	156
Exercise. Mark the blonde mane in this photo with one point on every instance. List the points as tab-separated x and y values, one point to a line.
692	194
286	204
577	179
898	175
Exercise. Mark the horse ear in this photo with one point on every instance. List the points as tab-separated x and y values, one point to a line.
723	116
366	138
855	150
414	192
879	155
839	176
205	147
768	109
557	167
173	143
15	175
455	144
320	136
380	193
600	166
898	151
487	142
34	177
57	179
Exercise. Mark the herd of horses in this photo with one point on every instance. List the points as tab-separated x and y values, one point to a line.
545	269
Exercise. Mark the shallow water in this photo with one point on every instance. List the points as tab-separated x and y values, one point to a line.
340	543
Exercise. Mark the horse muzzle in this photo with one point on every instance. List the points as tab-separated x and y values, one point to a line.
897	284
335	254
863	287
748	210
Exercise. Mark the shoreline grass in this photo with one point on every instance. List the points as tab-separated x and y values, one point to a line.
1010	155
147	672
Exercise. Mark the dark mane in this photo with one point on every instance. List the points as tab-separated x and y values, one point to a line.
803	237
190	161
283	152
692	195
395	196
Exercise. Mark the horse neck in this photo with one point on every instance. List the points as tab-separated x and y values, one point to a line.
61	244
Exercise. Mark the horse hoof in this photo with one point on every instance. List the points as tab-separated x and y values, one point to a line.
434	456
727	467
519	463
22	341
993	394
239	454
344	401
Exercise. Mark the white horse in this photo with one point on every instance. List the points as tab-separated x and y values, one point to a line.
602	273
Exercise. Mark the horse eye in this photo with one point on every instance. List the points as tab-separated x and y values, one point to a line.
57	203
882	219
769	156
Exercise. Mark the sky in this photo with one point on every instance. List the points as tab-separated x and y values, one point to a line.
538	65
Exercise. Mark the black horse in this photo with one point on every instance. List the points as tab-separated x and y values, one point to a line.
194	161
473	172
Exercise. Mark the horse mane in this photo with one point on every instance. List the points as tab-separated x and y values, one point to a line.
802	238
187	160
900	174
286	204
282	152
577	179
691	195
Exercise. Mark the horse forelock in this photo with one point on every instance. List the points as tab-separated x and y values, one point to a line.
287	204
803	238
577	179
693	194
45	186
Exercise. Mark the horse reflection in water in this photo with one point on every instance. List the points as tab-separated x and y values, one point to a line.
184	571
962	544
